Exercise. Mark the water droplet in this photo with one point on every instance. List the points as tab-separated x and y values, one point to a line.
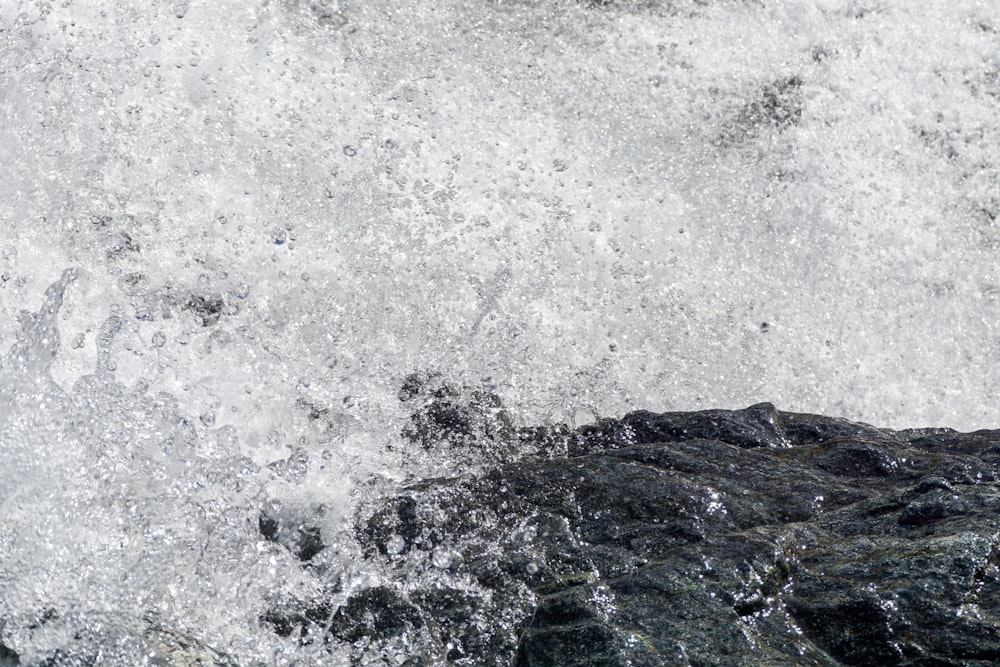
531	568
395	545
159	339
442	558
350	151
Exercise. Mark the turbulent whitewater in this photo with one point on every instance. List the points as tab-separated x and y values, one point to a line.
229	231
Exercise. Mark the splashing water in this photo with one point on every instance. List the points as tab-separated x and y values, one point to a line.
123	525
280	209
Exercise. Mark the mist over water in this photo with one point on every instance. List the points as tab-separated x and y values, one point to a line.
274	211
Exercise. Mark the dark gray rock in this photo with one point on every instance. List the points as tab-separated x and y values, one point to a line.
302	539
8	656
748	537
373	614
449	416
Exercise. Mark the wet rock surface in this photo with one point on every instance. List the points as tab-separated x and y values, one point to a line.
748	537
449	416
751	537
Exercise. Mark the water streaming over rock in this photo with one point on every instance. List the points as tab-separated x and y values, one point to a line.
283	211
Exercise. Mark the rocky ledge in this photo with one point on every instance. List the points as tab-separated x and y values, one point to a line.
748	537
751	537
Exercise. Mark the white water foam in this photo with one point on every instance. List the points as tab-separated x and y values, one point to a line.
280	208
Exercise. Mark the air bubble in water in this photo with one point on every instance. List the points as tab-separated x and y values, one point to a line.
159	339
443	558
395	545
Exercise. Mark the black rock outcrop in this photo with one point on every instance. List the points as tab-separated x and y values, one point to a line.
750	537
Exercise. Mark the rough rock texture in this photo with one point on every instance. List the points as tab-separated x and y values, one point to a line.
751	537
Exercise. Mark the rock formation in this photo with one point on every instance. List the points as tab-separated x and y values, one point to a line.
749	537
717	538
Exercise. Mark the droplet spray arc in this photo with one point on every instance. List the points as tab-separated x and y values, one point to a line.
115	509
38	342
26	390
